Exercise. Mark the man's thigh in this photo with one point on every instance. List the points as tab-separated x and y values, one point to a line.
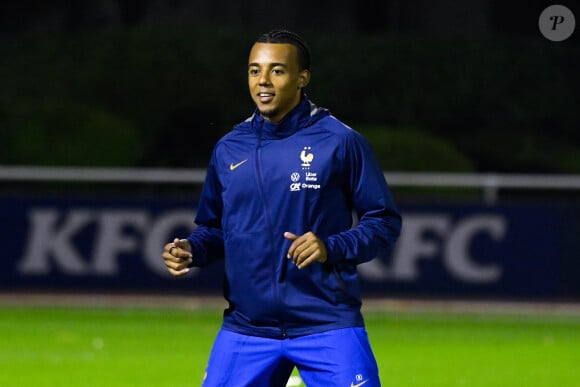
341	357
240	360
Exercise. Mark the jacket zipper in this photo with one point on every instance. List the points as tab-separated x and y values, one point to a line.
270	226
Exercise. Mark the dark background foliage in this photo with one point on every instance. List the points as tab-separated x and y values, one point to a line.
434	86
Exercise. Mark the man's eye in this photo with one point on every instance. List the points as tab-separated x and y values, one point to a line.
253	72
278	71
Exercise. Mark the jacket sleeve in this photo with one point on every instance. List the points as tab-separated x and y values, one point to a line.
379	223
207	242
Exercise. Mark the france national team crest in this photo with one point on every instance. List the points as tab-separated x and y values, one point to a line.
306	157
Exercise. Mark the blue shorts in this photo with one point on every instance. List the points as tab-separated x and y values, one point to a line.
341	357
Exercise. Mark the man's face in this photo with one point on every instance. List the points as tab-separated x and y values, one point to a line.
274	79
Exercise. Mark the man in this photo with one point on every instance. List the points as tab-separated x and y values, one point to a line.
277	203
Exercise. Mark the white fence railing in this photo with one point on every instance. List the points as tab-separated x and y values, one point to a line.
490	183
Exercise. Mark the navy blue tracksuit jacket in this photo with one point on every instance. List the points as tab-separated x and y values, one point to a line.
309	172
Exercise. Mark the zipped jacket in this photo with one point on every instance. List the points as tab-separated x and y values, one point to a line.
309	172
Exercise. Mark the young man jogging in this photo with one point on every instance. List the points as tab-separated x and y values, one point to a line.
277	203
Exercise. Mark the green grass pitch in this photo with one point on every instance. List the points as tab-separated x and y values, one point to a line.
58	346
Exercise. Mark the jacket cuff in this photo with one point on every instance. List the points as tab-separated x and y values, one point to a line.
198	252
333	251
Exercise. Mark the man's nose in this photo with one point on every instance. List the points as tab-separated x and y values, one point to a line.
264	78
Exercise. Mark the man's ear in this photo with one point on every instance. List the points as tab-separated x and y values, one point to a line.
303	79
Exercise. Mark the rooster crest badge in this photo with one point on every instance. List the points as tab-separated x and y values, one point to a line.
306	157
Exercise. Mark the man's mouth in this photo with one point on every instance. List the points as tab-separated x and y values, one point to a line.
265	97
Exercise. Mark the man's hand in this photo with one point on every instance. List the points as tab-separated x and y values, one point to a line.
177	256
305	249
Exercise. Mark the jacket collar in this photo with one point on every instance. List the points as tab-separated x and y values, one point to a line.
301	116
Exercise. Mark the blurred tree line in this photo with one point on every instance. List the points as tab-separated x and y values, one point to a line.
162	95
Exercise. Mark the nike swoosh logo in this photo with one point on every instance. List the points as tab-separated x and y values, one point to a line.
358	384
234	166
